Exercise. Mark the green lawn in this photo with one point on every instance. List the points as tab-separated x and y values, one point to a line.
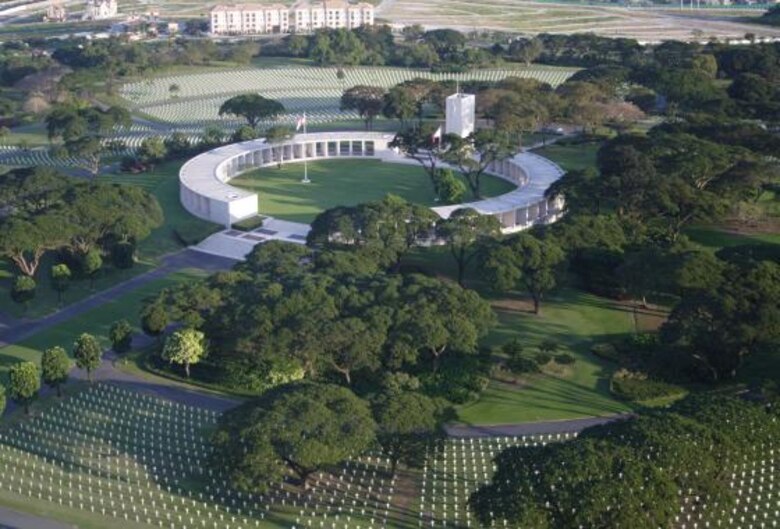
575	320
342	183
97	322
177	227
715	238
571	157
163	183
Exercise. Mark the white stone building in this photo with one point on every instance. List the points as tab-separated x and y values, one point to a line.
302	17
100	9
460	112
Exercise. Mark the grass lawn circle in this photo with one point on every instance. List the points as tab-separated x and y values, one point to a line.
281	193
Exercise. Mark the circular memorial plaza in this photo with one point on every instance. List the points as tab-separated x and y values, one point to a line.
207	190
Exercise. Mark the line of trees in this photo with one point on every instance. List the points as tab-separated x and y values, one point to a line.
25	378
79	222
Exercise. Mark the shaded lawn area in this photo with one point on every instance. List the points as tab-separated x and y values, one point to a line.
96	321
178	227
572	318
46	298
342	183
571	157
575	320
714	238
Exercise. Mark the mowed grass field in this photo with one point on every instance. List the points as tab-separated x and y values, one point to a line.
574	319
178	229
96	321
334	183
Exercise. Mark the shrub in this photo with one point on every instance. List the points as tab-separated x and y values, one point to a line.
607	351
636	386
512	348
123	255
542	358
521	364
460	381
548	346
252	223
565	359
121	336
23	290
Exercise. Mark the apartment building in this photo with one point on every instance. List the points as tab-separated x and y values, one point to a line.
302	17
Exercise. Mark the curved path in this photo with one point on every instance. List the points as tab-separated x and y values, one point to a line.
532	428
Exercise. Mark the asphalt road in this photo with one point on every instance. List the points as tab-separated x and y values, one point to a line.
13	332
10	519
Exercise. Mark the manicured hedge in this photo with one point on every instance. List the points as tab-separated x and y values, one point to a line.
252	223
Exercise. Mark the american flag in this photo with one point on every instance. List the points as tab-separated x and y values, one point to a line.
300	122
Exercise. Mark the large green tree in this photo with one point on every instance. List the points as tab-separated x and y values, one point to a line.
408	422
523	261
367	101
55	367
382	231
629	473
88	353
254	108
463	232
185	347
300	429
83	128
718	328
475	154
437	317
24	383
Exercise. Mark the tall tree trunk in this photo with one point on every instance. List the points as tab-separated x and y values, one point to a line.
187	369
537	304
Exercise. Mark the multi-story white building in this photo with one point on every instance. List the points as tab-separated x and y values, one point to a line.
100	9
302	17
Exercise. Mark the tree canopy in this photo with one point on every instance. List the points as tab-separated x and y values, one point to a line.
628	473
298	429
254	108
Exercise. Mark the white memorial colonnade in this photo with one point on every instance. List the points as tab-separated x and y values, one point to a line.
206	193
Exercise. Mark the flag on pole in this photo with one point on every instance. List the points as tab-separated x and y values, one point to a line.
437	135
300	122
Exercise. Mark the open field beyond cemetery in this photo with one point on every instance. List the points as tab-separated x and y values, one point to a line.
519	16
574	17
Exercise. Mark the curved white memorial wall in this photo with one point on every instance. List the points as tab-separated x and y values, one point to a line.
206	193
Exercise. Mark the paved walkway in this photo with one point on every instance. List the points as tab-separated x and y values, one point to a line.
532	428
10	519
170	264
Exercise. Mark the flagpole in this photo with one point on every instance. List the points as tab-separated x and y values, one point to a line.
305	154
